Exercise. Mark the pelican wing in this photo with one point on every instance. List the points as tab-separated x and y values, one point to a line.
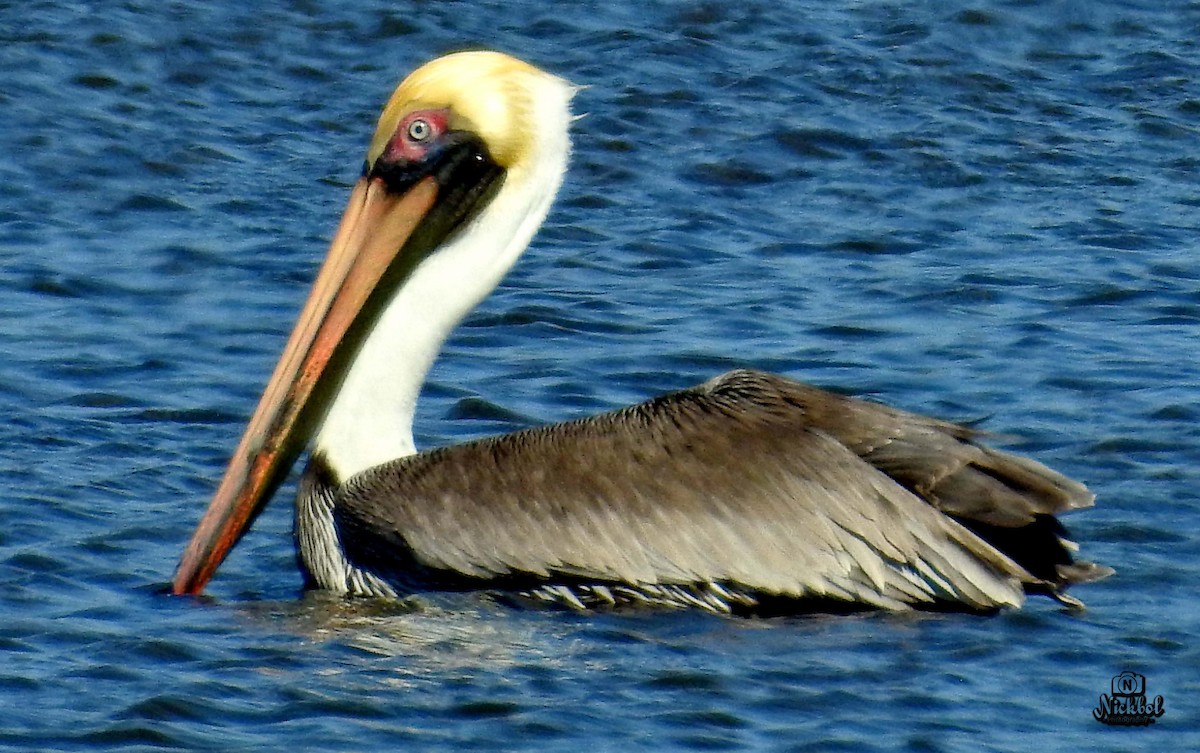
750	480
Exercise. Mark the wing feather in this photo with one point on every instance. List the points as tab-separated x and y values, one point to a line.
750	481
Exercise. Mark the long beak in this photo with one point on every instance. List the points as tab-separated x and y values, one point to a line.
373	230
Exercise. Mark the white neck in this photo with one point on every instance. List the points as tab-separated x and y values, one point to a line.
370	419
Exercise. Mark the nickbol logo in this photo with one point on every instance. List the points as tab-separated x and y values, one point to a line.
1128	705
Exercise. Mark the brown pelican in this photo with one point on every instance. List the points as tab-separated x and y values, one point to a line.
747	491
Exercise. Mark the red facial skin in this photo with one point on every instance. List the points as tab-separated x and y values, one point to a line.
414	135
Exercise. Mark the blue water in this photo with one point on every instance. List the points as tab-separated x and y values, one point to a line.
985	211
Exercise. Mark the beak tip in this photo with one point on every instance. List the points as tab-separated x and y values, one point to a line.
172	589
191	575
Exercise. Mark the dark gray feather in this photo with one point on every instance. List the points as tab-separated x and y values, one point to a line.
750	481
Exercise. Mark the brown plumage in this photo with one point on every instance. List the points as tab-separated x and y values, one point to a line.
750	488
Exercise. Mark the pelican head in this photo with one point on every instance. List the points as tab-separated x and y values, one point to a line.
464	164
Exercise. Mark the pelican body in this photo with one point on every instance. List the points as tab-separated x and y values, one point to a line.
746	493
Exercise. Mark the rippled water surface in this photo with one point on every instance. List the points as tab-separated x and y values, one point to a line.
983	211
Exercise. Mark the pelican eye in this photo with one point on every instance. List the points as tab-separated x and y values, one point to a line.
419	130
